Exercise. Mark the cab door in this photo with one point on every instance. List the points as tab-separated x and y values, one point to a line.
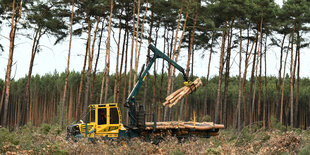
102	121
114	122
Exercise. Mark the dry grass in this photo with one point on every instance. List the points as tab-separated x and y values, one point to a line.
48	139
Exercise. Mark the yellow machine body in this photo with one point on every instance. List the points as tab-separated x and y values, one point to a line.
104	121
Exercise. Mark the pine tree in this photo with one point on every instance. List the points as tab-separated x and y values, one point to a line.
14	22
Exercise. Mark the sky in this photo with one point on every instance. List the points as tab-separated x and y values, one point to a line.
54	57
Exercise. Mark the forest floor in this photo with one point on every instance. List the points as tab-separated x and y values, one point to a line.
48	139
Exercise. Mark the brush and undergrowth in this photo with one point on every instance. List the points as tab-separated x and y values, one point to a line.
50	139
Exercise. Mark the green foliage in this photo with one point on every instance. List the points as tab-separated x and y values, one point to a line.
9	139
245	137
217	142
230	134
212	151
38	140
305	150
45	18
45	128
177	152
28	128
258	125
277	125
205	118
3	136
56	149
58	130
265	138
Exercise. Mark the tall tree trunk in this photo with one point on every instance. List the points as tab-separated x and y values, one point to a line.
70	107
90	61
207	78
292	79
256	70
136	49
132	45
148	54
283	82
218	98
141	40
170	67
277	108
169	54
10	60
26	104
267	108
176	60
180	43
243	82
96	64
155	75
103	78
121	67
260	84
2	98
137	62
190	49
78	103
108	53
240	83
125	75
243	117
68	65
89	70
192	65
227	70
298	78
162	74
117	59
250	98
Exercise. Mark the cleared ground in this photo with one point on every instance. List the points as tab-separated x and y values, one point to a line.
48	139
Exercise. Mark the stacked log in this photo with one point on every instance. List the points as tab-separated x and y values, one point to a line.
176	96
184	125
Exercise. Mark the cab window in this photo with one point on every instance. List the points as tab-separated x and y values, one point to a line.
102	116
114	116
92	115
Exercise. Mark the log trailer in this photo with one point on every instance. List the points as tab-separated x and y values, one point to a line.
105	119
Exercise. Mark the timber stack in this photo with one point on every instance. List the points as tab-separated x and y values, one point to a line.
183	125
176	96
204	129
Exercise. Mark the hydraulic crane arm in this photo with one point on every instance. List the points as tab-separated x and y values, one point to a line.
159	54
130	102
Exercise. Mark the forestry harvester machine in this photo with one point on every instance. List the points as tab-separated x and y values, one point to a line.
105	119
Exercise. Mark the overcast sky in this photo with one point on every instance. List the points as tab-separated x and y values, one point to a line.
53	58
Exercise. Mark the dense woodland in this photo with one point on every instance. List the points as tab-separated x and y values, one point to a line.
47	91
226	27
